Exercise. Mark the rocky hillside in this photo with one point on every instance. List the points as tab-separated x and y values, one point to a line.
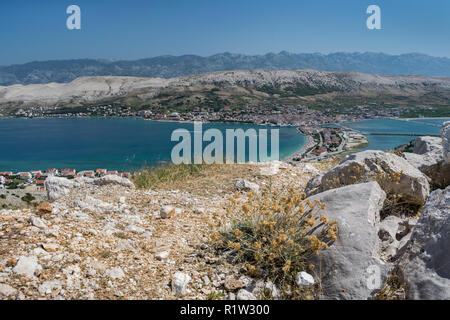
255	84
171	66
389	222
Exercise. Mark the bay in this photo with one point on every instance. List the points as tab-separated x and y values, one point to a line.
114	144
395	126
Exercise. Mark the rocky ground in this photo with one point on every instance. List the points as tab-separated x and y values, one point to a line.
112	241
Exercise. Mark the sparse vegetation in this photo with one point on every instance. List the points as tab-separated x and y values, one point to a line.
167	173
274	234
28	198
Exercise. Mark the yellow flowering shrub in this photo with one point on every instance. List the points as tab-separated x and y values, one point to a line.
274	233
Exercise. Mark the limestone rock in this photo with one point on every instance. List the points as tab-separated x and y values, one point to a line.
179	283
57	187
375	165
445	135
426	263
304	279
245	295
162	255
92	204
50	247
7	291
423	145
27	266
245	185
37	222
356	208
167	212
115	273
114	179
272	290
48	287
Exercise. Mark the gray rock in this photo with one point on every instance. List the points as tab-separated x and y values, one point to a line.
37	222
57	187
134	229
48	286
423	161
423	145
115	273
27	266
245	185
445	135
394	233
304	279
272	290
7	291
92	204
180	281
162	255
113	179
167	212
245	295
426	263
347	263
231	296
365	166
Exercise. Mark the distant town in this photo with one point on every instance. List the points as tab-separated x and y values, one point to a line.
263	114
35	180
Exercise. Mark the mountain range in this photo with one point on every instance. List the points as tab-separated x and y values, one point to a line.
235	88
63	71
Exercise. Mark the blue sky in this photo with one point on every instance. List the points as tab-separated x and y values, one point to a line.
131	29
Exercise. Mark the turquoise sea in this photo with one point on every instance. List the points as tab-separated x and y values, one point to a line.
385	142
114	144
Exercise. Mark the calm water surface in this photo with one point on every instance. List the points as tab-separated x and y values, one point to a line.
115	144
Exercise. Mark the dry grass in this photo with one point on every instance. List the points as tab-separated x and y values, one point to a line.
194	178
274	234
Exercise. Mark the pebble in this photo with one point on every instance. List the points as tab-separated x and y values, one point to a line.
245	295
7	290
27	266
115	273
304	279
180	281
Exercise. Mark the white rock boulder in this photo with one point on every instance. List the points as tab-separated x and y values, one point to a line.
245	295
114	179
425	265
245	185
7	291
180	281
423	145
27	266
445	135
394	174
304	279
57	187
348	261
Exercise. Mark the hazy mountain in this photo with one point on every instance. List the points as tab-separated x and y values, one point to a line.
63	71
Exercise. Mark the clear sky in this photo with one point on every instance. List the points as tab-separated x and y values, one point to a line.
131	29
